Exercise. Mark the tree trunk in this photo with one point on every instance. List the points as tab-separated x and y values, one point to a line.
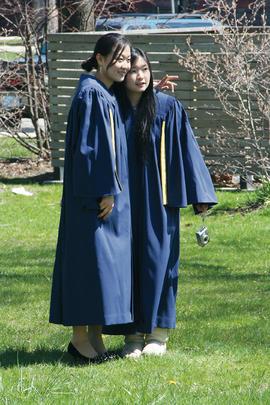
52	16
83	19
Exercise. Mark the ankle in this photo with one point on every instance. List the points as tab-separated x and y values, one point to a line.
135	338
79	334
160	335
79	339
96	339
95	331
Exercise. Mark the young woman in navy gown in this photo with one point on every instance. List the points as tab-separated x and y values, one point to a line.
92	273
166	172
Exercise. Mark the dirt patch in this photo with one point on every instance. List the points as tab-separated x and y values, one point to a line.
26	169
41	170
225	180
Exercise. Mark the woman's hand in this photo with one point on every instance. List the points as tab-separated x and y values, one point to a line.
201	208
106	206
166	83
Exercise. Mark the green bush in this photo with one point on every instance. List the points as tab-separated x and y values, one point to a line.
260	197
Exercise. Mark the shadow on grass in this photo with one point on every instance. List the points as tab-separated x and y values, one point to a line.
23	358
25	258
11	358
20	274
40	178
211	272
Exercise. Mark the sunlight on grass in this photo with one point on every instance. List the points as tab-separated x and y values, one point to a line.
219	353
9	148
10	56
11	40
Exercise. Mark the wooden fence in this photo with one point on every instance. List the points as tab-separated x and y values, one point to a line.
67	51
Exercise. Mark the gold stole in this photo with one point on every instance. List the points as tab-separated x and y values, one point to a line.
163	167
113	137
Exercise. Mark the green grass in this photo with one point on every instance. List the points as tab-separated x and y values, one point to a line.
10	56
219	353
12	41
9	148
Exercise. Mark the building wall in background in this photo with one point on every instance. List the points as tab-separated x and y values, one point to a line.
164	6
158	6
242	7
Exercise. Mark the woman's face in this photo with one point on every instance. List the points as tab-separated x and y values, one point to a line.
138	78
118	70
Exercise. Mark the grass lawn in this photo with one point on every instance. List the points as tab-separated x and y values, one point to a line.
11	41
9	148
219	353
10	55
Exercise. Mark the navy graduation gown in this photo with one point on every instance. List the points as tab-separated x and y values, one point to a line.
174	176
92	272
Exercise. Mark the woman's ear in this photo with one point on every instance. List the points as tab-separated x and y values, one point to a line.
100	60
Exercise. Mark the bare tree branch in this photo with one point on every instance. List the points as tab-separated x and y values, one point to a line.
27	80
238	72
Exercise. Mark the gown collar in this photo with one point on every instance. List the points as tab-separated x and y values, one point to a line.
88	76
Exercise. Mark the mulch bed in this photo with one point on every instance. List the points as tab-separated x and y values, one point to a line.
26	169
41	170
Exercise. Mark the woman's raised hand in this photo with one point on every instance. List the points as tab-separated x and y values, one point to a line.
166	83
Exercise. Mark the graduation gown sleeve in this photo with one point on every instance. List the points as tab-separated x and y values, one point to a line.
187	179
94	171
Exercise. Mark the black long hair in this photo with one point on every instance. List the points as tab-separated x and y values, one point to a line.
104	46
146	109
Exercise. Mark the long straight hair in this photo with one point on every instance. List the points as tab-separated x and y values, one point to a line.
146	109
104	46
